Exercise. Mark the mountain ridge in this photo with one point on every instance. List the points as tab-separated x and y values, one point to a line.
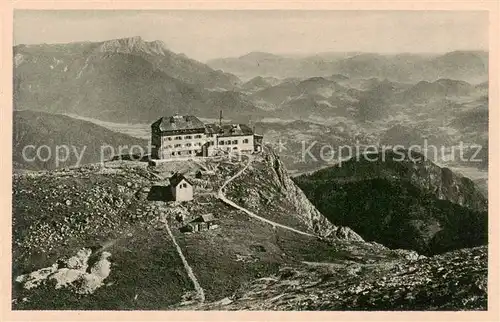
127	80
464	65
410	203
83	140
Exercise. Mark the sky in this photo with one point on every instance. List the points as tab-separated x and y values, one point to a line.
205	35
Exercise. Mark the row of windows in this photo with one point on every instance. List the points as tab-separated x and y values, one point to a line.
183	185
188	152
198	136
221	142
186	137
185	145
228	142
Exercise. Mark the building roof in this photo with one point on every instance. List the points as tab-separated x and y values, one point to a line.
212	128
178	123
229	129
205	218
177	178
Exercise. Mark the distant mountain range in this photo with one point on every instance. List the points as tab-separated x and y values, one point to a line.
131	80
125	80
366	100
388	99
471	66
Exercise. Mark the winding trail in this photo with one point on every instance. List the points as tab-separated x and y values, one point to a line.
199	290
222	197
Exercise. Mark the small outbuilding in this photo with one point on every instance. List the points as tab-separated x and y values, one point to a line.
181	188
203	222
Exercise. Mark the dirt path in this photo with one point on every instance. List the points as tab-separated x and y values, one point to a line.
222	197
199	290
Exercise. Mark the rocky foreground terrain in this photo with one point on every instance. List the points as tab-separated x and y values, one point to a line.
453	281
107	238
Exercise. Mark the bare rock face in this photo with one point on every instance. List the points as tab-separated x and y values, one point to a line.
79	261
133	44
345	233
36	278
73	275
304	208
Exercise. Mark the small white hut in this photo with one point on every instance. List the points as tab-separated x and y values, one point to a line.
182	188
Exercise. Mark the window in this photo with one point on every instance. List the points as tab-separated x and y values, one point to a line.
235	148
221	142
228	142
197	136
245	141
178	138
169	138
211	142
178	145
178	152
235	141
188	144
173	153
188	137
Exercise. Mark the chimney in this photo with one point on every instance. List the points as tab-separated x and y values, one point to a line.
220	118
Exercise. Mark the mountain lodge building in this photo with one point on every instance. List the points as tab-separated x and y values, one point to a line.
186	136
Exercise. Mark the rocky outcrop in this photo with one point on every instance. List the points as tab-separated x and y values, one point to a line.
266	189
302	206
71	273
133	44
